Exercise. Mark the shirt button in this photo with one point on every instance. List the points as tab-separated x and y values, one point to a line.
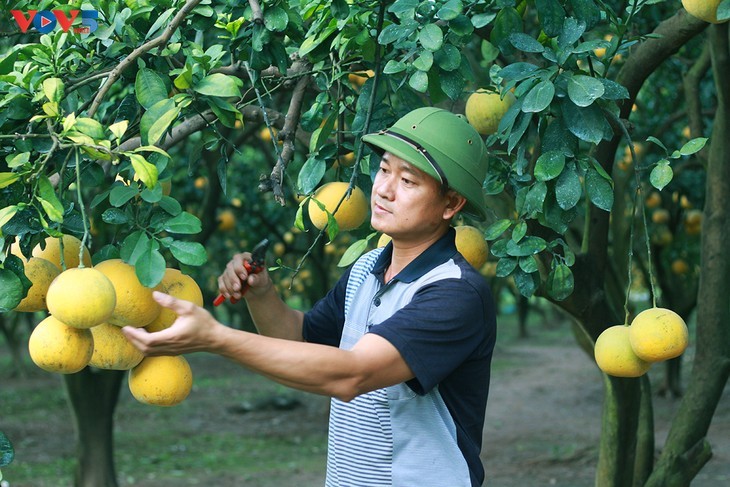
376	302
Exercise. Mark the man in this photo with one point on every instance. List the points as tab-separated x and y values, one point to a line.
402	343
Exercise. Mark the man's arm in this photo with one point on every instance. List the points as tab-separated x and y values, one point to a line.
371	364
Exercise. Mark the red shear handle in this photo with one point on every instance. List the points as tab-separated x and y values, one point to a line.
251	269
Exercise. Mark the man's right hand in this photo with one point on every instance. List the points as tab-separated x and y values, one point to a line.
231	281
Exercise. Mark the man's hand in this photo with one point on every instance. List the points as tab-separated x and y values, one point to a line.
230	282
193	330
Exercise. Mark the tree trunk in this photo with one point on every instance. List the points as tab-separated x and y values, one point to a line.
93	395
687	450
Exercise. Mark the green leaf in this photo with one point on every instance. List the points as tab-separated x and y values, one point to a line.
723	11
11	290
599	189
189	253
119	128
551	16
114	216
353	252
121	194
587	11
275	19
613	90
6	450
17	159
661	175
658	142
586	123
450	10
133	246
146	171
535	199
183	223
219	84
549	165
527	246
393	67
506	266
431	37
452	83
517	71
311	174
496	229
170	205
560	282
528	264
539	97
419	81
519	231
526	283
568	189
90	127
149	88
53	89
48	199
424	61
571	32
157	120
693	146
507	22
150	267
584	90
7	63
7	214
525	43
8	178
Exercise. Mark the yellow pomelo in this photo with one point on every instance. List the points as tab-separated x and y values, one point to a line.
351	213
57	347
81	297
112	350
71	246
703	9
180	286
226	220
615	356
383	240
658	334
485	109
161	381
135	304
471	244
41	273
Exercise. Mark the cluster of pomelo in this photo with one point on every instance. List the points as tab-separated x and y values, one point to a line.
654	335
87	308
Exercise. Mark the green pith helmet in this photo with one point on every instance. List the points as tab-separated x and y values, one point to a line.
444	146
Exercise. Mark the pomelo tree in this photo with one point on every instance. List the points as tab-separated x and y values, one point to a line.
104	102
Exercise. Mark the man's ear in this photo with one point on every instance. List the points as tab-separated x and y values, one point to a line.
454	203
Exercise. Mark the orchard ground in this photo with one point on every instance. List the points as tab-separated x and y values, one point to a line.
238	429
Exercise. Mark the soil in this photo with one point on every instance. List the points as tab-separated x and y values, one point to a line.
542	425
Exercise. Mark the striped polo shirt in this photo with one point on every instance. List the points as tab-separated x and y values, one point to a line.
439	313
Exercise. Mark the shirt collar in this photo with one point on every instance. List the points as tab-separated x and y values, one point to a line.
441	251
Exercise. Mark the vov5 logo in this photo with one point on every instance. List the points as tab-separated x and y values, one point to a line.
47	20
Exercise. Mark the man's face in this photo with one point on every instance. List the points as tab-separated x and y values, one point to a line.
407	203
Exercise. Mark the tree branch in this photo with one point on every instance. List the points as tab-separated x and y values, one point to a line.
147	46
288	133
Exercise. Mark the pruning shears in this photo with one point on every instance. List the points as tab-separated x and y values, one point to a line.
253	266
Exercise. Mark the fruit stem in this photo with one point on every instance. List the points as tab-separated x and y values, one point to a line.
82	247
641	205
